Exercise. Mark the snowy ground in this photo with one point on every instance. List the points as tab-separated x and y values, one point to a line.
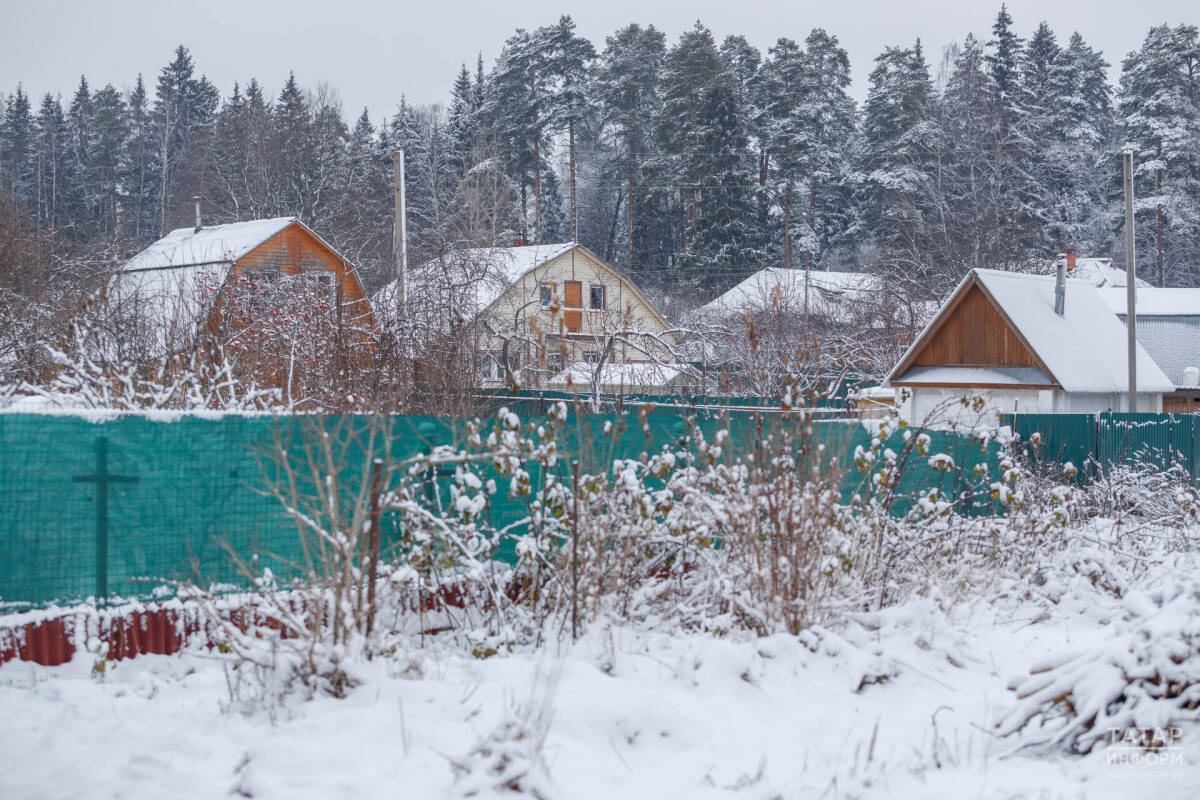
896	705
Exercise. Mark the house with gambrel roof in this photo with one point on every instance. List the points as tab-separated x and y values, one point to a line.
550	309
176	288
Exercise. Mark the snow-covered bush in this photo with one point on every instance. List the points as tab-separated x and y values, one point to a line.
1144	490
1145	676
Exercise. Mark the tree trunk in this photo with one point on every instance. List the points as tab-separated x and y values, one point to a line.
787	228
629	209
1159	213
571	158
812	221
537	175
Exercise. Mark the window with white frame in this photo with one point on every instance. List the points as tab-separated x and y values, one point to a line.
545	295
597	298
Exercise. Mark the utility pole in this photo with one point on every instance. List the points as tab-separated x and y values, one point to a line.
400	234
1130	279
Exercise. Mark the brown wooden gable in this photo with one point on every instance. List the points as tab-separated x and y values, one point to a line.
296	248
976	334
971	331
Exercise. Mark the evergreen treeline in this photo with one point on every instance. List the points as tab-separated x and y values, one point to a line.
689	163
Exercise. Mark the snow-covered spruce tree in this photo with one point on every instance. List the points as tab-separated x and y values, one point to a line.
828	121
778	85
700	131
17	149
137	177
570	61
724	242
1159	108
626	86
105	161
1072	120
515	109
899	132
183	110
1013	213
964	199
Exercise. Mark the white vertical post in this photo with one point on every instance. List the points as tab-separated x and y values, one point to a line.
1130	280
400	233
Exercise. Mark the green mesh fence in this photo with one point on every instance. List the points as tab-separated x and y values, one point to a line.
126	506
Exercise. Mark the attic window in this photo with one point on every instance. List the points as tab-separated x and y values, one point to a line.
320	283
597	298
545	293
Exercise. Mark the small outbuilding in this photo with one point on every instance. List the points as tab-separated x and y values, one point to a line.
1002	337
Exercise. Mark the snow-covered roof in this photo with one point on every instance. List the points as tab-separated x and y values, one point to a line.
835	296
1155	302
631	375
978	376
167	307
474	278
1083	350
1101	272
775	287
218	244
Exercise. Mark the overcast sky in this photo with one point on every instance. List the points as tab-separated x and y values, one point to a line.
372	53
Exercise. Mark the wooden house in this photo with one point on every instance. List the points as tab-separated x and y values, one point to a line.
1002	337
183	285
550	308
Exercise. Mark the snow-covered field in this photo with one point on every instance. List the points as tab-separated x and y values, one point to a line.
897	704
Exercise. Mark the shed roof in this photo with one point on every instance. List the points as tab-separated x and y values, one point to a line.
1083	350
629	375
1155	302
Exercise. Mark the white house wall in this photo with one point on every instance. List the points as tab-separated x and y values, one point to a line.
941	407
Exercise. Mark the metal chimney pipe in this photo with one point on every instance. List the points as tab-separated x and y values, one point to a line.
196	200
1060	285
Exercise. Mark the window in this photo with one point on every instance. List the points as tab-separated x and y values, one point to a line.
545	294
591	356
555	362
317	283
597	298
